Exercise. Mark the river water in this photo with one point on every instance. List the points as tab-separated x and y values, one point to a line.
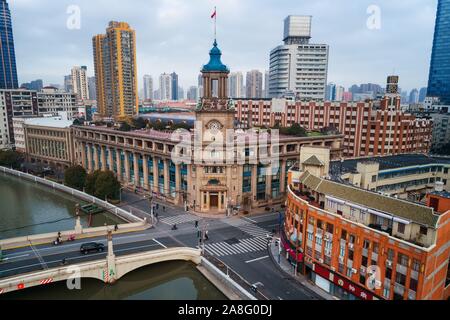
29	208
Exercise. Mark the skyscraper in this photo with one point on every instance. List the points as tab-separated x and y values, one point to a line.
79	82
8	70
68	85
192	94
254	84
266	84
174	85
236	85
148	87
290	64
165	87
439	79
414	96
116	71
422	94
92	88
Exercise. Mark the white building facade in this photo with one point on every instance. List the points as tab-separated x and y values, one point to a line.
298	67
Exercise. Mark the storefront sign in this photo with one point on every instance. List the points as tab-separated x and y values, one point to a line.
347	285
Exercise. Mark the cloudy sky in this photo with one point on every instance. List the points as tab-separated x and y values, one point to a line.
176	35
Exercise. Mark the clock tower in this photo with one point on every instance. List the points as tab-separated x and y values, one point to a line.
216	182
215	110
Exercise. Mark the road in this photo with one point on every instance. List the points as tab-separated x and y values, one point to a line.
239	242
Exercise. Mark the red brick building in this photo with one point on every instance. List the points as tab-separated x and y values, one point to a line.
370	128
358	244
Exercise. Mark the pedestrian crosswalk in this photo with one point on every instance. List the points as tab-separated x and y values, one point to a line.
248	227
221	249
180	219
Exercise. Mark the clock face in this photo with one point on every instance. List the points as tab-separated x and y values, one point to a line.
214	126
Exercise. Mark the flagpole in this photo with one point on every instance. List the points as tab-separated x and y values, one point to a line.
215	23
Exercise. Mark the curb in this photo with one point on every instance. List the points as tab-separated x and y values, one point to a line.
312	292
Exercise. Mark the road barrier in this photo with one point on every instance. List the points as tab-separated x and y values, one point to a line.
123	214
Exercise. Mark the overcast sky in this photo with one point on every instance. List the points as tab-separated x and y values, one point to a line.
176	35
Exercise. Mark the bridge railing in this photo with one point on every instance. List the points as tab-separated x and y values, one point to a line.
223	267
127	216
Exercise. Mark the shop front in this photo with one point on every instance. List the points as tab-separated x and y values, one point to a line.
337	285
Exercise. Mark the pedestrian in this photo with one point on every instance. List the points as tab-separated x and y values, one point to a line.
116	227
206	235
196	224
164	208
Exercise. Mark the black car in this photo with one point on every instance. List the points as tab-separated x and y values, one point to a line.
92	247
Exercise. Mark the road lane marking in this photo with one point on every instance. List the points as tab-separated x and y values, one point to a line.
15	257
257	259
160	243
251	220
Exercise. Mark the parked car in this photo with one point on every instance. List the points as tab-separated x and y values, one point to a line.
92	247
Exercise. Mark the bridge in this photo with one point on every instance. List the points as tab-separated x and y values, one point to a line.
108	270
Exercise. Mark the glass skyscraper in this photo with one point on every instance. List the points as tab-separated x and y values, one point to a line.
8	71
439	80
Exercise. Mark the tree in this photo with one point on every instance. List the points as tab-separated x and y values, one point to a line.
139	123
124	126
90	182
75	177
10	158
107	186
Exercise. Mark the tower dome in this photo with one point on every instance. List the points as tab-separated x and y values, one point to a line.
215	64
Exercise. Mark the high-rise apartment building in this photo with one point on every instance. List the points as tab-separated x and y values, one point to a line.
116	71
298	67
174	86
414	96
68	85
266	84
192	93
254	84
165	87
439	79
8	69
80	82
148	87
236	85
33	85
92	88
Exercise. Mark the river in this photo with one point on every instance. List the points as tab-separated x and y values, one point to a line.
29	208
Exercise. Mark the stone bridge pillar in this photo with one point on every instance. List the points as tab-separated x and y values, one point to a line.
111	261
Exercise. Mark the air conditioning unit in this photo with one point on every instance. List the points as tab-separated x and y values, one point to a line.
363	269
389	263
350	246
341	259
321	260
354	271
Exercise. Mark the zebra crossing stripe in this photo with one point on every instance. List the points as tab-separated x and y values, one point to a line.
244	246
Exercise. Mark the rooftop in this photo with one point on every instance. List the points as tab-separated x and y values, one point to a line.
408	210
49	122
215	63
389	162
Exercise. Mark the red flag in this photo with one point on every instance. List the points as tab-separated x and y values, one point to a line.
214	14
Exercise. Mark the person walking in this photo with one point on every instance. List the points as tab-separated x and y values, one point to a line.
206	235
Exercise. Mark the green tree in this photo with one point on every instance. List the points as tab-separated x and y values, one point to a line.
124	126
139	123
90	182
10	158
107	186
75	177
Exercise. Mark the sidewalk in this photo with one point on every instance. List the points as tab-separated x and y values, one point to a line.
289	270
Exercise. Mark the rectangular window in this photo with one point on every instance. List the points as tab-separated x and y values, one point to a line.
344	235
423	230
400	279
413	284
388	273
401	228
350	255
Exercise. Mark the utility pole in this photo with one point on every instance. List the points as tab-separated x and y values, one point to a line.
150	200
